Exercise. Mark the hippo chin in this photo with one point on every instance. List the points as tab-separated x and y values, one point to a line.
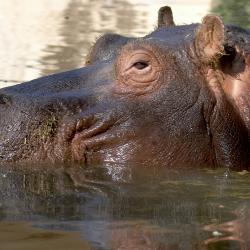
176	97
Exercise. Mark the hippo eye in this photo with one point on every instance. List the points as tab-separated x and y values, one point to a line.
137	70
140	65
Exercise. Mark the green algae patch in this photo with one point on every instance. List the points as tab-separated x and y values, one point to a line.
46	131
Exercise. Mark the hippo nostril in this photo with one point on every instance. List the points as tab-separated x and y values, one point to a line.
5	99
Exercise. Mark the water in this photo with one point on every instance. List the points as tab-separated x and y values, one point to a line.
146	209
100	208
43	37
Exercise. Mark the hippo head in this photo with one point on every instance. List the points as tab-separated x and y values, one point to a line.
175	97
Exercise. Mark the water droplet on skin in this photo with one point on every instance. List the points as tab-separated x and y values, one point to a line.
217	233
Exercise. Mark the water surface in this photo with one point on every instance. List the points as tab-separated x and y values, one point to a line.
143	209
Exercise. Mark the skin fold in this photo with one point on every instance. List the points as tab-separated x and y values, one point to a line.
176	97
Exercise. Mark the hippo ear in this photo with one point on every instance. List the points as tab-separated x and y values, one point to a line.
165	17
210	38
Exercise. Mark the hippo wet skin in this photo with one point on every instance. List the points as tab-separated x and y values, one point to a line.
176	97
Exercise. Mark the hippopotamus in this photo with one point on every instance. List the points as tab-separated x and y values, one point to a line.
177	97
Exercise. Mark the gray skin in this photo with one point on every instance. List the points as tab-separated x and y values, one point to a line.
176	97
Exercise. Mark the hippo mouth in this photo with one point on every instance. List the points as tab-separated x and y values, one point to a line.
75	140
88	136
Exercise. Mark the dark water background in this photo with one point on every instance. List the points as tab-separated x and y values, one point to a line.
118	207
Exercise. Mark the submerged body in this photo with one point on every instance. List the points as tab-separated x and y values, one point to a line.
176	97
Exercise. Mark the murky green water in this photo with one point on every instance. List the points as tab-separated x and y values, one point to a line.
143	209
116	207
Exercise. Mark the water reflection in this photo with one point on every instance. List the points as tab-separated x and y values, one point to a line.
149	209
83	22
22	236
45	37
